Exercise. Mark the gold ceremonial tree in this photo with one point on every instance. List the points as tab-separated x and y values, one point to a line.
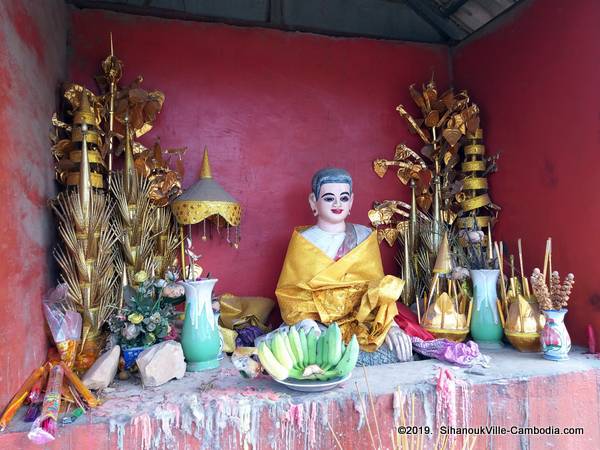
441	192
101	208
86	255
145	186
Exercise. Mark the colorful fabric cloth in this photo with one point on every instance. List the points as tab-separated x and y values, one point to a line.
352	291
461	354
408	321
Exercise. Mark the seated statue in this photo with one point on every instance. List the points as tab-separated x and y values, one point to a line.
333	273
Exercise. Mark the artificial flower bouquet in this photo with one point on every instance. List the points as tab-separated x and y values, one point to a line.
145	318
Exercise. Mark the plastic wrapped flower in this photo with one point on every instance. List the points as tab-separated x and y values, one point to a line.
135	318
472	236
173	290
172	333
171	276
160	283
140	277
460	273
155	318
149	339
130	332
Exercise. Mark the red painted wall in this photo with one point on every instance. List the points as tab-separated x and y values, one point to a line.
536	78
272	107
33	38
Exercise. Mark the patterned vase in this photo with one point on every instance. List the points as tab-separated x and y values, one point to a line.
200	337
130	355
486	326
555	339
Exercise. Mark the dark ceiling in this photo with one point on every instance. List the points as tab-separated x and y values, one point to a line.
432	21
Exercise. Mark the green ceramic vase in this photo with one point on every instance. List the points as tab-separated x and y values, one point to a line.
486	326
200	338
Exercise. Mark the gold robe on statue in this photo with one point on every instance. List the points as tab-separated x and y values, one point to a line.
352	291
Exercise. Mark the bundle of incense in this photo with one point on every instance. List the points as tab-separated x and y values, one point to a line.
45	427
21	395
85	393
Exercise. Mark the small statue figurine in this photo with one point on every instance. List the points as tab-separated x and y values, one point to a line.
333	273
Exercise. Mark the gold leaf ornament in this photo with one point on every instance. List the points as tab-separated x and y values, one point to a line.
380	167
388	235
452	135
432	118
380	215
413	125
417	97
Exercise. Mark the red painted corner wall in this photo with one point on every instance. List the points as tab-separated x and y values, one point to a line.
536	77
33	37
272	107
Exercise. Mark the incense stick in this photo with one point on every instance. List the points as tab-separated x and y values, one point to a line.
549	258
469	313
412	415
404	437
364	410
512	265
500	263
546	261
473	443
520	256
434	283
334	436
373	407
524	281
499	306
445	442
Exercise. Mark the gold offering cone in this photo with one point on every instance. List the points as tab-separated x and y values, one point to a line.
443	262
444	320
524	324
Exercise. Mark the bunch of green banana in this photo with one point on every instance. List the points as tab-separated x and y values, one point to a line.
302	356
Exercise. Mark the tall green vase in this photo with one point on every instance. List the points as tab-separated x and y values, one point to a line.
200	338
486	326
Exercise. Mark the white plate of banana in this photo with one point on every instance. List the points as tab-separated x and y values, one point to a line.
312	385
307	363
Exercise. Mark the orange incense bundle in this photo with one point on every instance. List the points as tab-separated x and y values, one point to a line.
87	395
21	395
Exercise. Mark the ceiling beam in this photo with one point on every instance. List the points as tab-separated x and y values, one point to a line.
453	6
272	18
447	28
276	12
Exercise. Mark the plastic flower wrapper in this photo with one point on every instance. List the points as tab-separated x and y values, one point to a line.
64	323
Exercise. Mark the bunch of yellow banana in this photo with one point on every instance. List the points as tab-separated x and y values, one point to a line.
302	356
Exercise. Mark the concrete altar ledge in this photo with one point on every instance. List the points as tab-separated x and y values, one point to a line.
220	409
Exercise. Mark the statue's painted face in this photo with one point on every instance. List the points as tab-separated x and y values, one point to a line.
334	203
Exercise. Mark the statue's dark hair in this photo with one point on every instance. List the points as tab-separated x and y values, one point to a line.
330	175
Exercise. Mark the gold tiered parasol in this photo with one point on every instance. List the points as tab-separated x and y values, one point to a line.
206	201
